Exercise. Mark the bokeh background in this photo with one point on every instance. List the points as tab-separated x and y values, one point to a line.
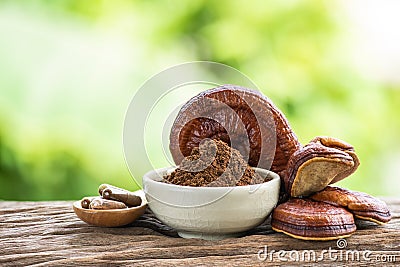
68	70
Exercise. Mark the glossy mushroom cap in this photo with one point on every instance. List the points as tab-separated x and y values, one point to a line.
309	220
323	161
362	205
243	118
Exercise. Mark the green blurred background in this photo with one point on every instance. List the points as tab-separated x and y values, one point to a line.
68	70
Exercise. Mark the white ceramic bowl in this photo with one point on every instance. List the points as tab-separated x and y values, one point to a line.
210	212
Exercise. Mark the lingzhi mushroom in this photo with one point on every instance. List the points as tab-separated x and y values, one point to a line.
249	122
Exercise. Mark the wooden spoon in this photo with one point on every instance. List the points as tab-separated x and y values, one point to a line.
113	217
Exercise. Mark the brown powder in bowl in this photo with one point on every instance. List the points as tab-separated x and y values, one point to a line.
209	165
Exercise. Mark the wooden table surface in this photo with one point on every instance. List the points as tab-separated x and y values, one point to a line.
49	233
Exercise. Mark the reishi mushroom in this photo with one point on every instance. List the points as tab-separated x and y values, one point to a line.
235	115
249	122
310	220
323	161
362	205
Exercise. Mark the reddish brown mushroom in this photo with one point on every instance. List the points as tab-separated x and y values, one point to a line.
362	205
249	122
309	220
235	115
323	161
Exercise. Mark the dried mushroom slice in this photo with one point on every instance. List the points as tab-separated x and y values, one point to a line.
343	146
243	118
321	162
309	220
361	204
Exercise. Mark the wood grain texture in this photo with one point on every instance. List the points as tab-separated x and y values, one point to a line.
50	234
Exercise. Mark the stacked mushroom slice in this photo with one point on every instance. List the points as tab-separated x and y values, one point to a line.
324	212
310	220
323	161
249	122
328	214
362	205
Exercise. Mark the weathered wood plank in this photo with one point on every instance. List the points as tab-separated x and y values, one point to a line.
49	233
